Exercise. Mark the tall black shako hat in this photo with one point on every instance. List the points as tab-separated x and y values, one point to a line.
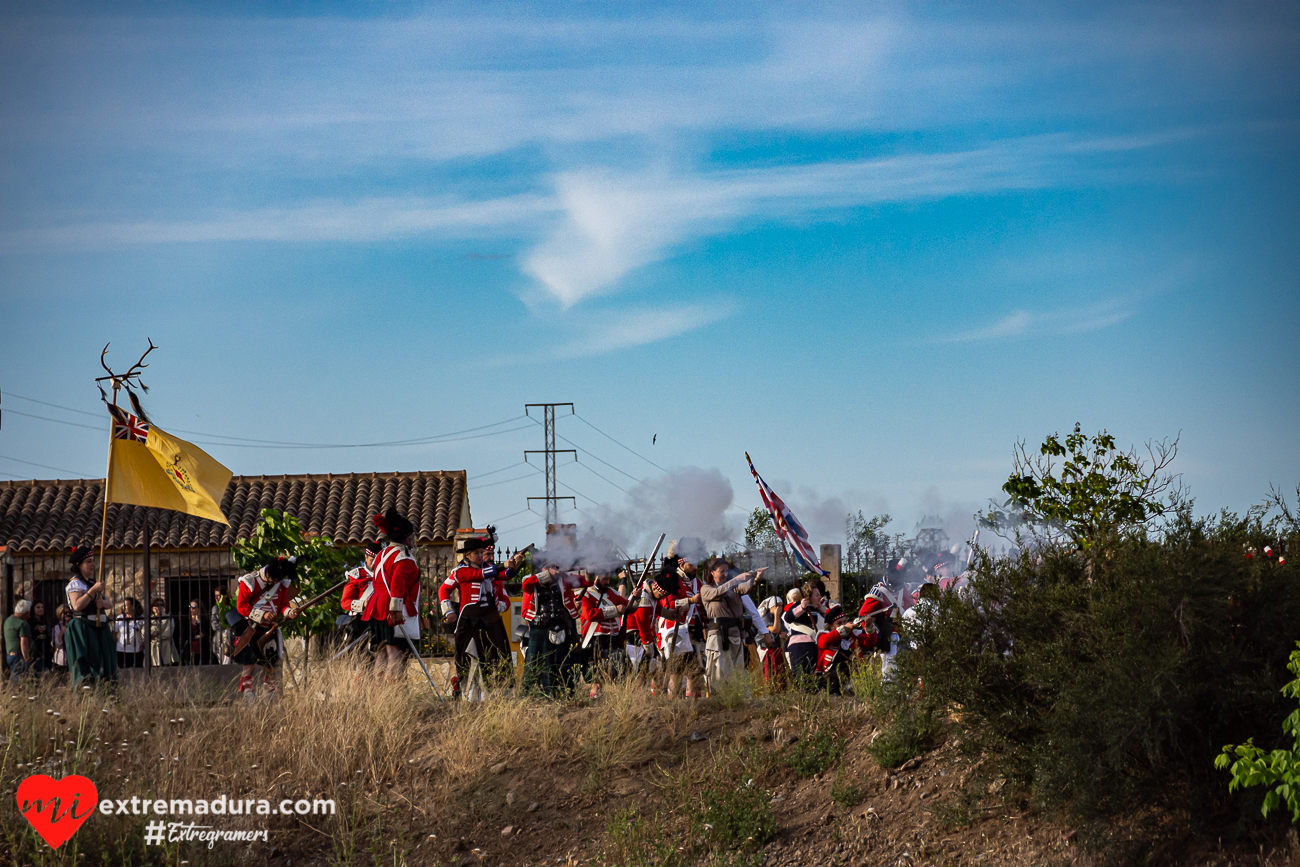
281	568
393	525
79	556
667	577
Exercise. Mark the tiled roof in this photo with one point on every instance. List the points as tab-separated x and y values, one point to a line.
58	515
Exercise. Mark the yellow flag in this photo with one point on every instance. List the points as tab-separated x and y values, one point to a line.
166	473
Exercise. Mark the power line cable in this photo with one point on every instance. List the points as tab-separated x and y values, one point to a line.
536	517
496	521
616	442
506	481
602	460
55	420
55	405
414	441
432	439
365	445
600	504
602	478
45	466
502	470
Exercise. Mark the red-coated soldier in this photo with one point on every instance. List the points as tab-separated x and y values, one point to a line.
552	630
653	603
885	602
357	592
480	632
864	637
681	636
598	622
263	599
395	595
835	649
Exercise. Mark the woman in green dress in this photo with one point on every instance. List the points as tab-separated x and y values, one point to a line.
91	648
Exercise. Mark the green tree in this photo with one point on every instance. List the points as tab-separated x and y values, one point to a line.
320	565
1097	494
760	535
867	540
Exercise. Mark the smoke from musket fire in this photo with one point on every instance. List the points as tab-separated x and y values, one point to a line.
699	501
685	501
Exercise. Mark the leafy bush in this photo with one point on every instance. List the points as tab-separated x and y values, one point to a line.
816	752
1280	768
913	728
725	822
738	817
320	564
1106	683
844	792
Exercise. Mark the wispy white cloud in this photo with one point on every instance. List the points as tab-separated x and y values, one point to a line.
614	223
595	226
1025	323
370	219
584	334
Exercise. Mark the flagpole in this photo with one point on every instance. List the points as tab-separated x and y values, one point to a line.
103	525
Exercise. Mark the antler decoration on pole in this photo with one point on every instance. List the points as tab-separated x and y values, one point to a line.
119	381
128	379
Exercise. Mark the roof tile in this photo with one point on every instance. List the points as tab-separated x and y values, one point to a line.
58	515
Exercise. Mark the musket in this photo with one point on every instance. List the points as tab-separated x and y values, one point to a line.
970	556
632	601
415	650
360	638
247	635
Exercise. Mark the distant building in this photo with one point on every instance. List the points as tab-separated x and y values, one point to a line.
41	522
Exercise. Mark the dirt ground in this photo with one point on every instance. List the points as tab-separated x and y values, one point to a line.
939	808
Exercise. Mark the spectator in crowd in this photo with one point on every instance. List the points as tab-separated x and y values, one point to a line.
58	637
44	654
162	650
128	630
197	647
803	620
776	673
20	645
222	605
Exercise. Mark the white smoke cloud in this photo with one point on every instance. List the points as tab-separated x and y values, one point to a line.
686	501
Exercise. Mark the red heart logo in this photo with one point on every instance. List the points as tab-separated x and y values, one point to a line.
56	808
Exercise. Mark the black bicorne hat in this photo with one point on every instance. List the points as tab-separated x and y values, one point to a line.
474	543
79	555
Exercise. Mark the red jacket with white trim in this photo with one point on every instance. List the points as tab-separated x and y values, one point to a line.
864	641
358	583
467	580
258	591
526	604
598	607
834	648
397	577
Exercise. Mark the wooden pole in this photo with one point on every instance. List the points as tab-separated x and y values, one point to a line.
103	525
148	602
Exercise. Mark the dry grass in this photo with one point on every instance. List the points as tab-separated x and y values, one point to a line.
375	749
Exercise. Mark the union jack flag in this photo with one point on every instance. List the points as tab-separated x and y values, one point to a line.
127	426
787	526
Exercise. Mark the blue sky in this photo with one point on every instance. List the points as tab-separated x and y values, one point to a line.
872	245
